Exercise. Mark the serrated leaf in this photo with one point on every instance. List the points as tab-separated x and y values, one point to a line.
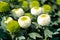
48	33
34	35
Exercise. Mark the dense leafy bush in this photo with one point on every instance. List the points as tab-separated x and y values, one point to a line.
29	19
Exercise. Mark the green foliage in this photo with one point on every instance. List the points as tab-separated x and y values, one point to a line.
34	35
12	30
48	33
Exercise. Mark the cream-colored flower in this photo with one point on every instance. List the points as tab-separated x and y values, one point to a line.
17	12
36	11
24	21
43	19
8	20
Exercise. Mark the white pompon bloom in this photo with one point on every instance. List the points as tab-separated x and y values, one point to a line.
36	11
8	20
44	19
17	12
24	21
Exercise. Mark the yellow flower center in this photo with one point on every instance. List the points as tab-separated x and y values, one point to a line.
29	15
23	18
44	15
36	8
16	9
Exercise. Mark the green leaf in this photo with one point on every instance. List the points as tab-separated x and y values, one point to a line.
1	39
34	35
20	38
48	33
58	29
3	25
56	38
29	38
5	0
36	24
58	20
54	23
42	1
56	33
58	13
2	34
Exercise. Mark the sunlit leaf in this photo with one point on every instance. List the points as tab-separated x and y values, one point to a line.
34	35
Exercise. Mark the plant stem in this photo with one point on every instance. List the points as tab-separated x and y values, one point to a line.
45	38
12	36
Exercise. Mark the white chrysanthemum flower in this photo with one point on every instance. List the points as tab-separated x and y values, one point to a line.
8	20
43	19
24	21
17	12
36	11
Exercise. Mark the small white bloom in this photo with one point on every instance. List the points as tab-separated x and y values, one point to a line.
24	21
8	20
36	11
43	19
17	12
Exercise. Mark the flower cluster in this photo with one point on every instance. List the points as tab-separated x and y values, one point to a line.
25	19
30	19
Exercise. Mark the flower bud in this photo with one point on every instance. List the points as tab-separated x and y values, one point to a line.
4	6
34	4
58	2
12	26
25	4
46	8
